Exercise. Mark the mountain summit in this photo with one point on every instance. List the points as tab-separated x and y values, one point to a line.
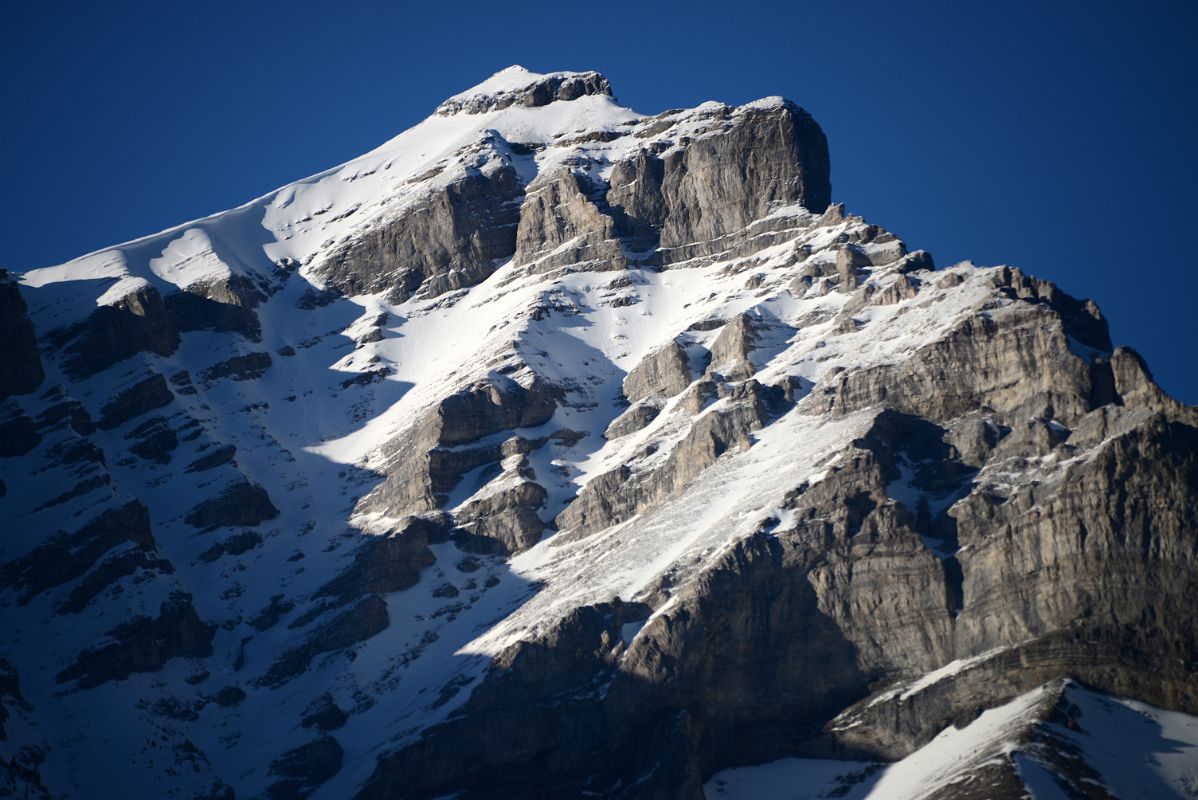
516	86
555	450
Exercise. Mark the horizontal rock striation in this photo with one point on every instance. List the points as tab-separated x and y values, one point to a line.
554	450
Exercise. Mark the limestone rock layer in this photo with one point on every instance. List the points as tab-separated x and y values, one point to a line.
556	450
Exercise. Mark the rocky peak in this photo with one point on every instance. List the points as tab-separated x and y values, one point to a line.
517	86
549	433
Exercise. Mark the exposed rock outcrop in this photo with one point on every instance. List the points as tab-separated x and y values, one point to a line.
766	154
239	503
508	516
499	404
664	372
730	350
20	364
226	304
451	240
18	434
633	419
239	368
560	224
364	620
135	323
65	558
388	563
617	495
305	768
144	645
140	398
603	454
529	92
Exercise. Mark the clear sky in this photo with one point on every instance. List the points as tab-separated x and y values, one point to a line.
1056	136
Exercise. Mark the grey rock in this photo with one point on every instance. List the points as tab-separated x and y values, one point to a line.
633	419
558	210
270	616
140	398
305	768
154	440
389	563
664	372
1082	574
920	260
635	199
324	714
575	655
235	545
689	201
219	456
107	573
65	409
359	623
239	503
250	366
509	516
849	261
499	404
449	241
226	304
144	645
64	558
615	496
18	434
949	280
904	288
20	363
136	323
10	694
540	92
730	350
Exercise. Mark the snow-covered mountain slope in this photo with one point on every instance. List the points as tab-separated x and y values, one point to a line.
552	449
1053	742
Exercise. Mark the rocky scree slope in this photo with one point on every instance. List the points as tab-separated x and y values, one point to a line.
554	450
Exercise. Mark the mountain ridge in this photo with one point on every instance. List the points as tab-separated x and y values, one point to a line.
551	449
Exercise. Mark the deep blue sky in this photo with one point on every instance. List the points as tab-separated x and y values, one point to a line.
1056	136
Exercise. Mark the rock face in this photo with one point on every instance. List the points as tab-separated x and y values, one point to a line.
140	398
143	645
20	365
64	558
779	156
554	450
305	768
516	86
361	622
226	304
240	368
239	503
450	240
388	563
664	373
137	322
561	225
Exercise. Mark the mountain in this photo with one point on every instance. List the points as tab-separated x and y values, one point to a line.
555	450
